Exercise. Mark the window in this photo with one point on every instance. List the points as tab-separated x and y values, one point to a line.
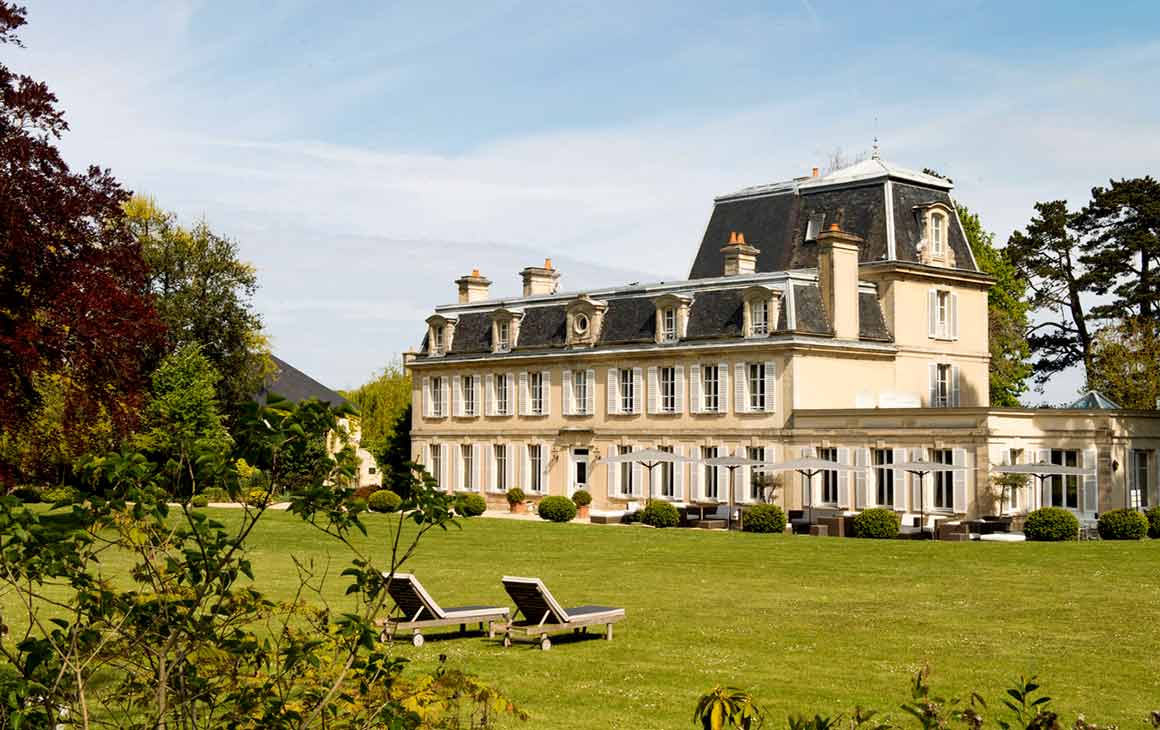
372	470
503	329
535	468
502	395
944	489
712	488
883	476
815	226
669	324
1065	489
665	469
580	392
437	344
626	470
627	391
759	318
756	475
1138	498
468	462
710	389
437	464
580	473
942	313
580	324
469	395
668	378
829	477
500	451
536	392
938	223
437	397
756	386
942	387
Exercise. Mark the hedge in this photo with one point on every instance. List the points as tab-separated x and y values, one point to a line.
470	504
557	509
1123	524
764	518
877	523
660	513
1051	524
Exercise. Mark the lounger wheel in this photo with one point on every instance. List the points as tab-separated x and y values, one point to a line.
417	640
545	643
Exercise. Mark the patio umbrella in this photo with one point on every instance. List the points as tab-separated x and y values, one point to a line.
808	466
1041	471
921	468
649	458
731	463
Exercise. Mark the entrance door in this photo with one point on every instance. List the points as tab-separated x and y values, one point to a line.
579	469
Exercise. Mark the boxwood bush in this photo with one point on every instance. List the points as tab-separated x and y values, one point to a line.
216	494
660	513
763	518
557	509
470	504
384	500
257	497
1154	522
581	498
63	493
878	523
198	500
1123	524
1051	524
515	495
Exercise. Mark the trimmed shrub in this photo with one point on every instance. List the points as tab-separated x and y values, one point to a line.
763	518
470	504
1051	524
216	494
515	495
199	500
557	509
1153	522
1123	524
26	493
63	493
660	513
384	500
581	498
257	497
878	523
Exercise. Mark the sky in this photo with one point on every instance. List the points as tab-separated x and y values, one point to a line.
365	155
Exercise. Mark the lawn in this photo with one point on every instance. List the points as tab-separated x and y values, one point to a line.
805	624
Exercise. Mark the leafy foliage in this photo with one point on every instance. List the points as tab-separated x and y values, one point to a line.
557	509
660	513
1007	486
384	406
763	518
582	498
470	504
878	523
1051	524
728	707
1123	524
384	500
515	495
1154	522
1126	363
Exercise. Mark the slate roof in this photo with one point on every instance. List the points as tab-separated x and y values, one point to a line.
541	327
296	386
716	314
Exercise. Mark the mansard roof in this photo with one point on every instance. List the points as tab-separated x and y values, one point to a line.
873	199
296	386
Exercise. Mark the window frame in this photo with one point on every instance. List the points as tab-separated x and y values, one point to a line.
467	467
710	399
1065	485
626	472
667	388
536	392
756	453
829	476
535	468
667	475
938	230
710	477
503	330
669	324
580	392
883	476
502	394
627	391
467	384
437	405
943	492
755	374
499	455
758	327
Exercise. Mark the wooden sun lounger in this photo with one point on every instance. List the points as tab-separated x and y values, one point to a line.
543	614
415	610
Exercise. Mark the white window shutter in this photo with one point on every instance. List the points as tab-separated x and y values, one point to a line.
639	488
545	468
446	396
932	379
919	497
546	391
722	476
569	409
489	395
512	405
809	490
899	481
695	399
613	473
653	390
456	396
861	459
695	472
959	481
477	467
954	315
426	398
476	387
612	391
844	480
955	386
932	297
637	390
1091	490
740	389
770	384
722	387
679	389
509	455
678	476
525	395
427	460
492	469
590	404
445	463
525	468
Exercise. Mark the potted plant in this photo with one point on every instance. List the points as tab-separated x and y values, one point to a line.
515	498
581	498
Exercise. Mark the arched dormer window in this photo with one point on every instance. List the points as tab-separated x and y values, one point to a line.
584	319
672	317
934	220
440	334
761	310
505	329
938	233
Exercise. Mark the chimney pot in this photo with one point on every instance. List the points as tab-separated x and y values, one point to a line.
548	264
740	239
475	273
835	227
814	173
473	288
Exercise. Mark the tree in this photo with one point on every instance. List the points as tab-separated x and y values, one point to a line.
1121	229
1046	257
73	299
1005	487
1006	314
1126	363
202	291
384	406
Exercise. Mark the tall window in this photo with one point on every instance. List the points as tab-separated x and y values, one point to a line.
437	345
468	395
536	392
944	481
938	223
712	488
536	463
756	491
759	317
580	392
710	389
883	476
665	473
580	467
627	391
503	331
668	378
756	386
437	464
437	396
942	387
502	395
1139	496
1065	489
626	485
501	484
942	312
467	461
829	477
669	324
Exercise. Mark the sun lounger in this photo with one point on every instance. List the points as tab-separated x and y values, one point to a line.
415	610
543	615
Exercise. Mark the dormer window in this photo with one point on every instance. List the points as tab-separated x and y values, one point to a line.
669	324
584	317
440	334
759	318
438	338
580	324
760	310
672	317
938	227
503	332
505	329
814	228
934	228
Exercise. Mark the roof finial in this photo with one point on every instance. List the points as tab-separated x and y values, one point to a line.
875	154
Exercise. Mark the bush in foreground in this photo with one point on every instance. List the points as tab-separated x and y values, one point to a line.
659	513
557	509
765	518
470	505
384	500
877	523
1051	524
1153	522
1123	524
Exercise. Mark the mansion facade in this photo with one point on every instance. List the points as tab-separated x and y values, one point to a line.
842	316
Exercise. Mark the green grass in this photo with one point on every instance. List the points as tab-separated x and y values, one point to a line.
805	624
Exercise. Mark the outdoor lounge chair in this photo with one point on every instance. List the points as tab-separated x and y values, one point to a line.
543	615
415	610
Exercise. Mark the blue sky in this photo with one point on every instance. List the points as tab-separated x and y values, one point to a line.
366	154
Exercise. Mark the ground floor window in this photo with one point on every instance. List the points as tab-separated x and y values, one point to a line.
665	470
501	484
829	477
580	474
883	476
1140	469
944	481
468	463
756	475
1065	489
535	468
437	464
712	488
626	485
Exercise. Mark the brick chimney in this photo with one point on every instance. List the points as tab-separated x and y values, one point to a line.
838	279
539	280
473	288
740	257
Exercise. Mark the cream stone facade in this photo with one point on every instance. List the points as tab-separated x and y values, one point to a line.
842	316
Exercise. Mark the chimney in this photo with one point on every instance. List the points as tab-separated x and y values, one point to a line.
540	280
838	279
814	173
473	288
740	257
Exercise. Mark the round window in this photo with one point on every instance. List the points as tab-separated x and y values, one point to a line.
580	324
